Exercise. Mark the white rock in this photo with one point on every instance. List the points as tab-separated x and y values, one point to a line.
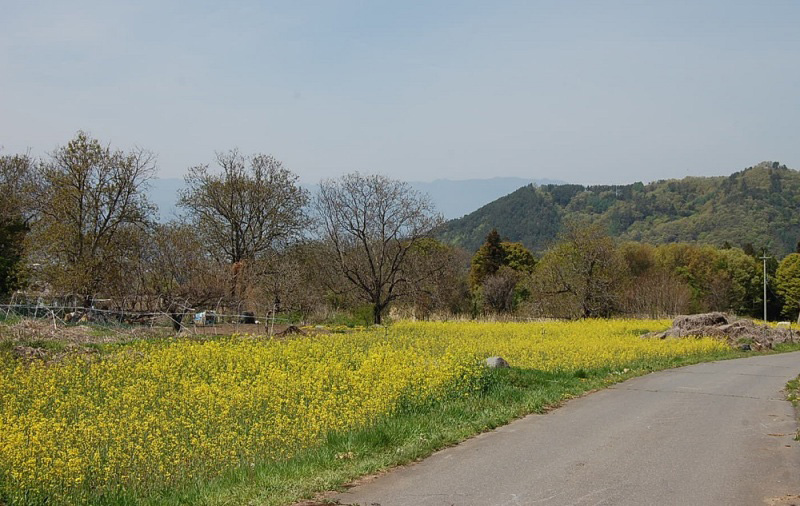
496	362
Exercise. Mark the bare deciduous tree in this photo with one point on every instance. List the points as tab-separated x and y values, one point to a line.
178	271
287	282
370	224
656	295
248	209
440	271
498	289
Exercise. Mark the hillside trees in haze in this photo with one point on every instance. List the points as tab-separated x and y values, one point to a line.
757	205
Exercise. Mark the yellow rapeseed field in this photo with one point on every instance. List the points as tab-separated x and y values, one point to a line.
161	413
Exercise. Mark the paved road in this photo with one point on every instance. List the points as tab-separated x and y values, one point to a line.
709	434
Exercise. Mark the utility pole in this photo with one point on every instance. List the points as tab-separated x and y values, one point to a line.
764	258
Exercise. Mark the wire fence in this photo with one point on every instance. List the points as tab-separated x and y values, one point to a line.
198	322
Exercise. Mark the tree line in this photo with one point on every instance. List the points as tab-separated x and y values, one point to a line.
586	273
77	223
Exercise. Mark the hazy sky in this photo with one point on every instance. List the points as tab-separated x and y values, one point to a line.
587	92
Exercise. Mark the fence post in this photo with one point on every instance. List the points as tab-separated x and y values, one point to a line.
272	322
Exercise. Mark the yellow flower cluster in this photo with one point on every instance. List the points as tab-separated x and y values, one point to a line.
565	346
159	413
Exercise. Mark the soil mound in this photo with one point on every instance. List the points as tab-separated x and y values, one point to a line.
737	331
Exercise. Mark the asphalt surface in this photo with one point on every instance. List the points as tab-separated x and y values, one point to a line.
718	433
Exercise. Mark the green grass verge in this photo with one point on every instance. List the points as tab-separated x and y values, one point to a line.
793	391
406	436
793	395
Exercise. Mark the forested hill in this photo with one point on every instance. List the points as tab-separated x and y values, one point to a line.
759	205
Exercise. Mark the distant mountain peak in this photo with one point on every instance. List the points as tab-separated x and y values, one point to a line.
455	198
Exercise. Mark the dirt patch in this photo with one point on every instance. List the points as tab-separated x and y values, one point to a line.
737	331
44	330
227	329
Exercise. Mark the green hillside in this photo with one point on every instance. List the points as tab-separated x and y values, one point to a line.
759	205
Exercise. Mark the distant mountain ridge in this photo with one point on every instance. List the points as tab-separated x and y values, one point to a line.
452	198
759	205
